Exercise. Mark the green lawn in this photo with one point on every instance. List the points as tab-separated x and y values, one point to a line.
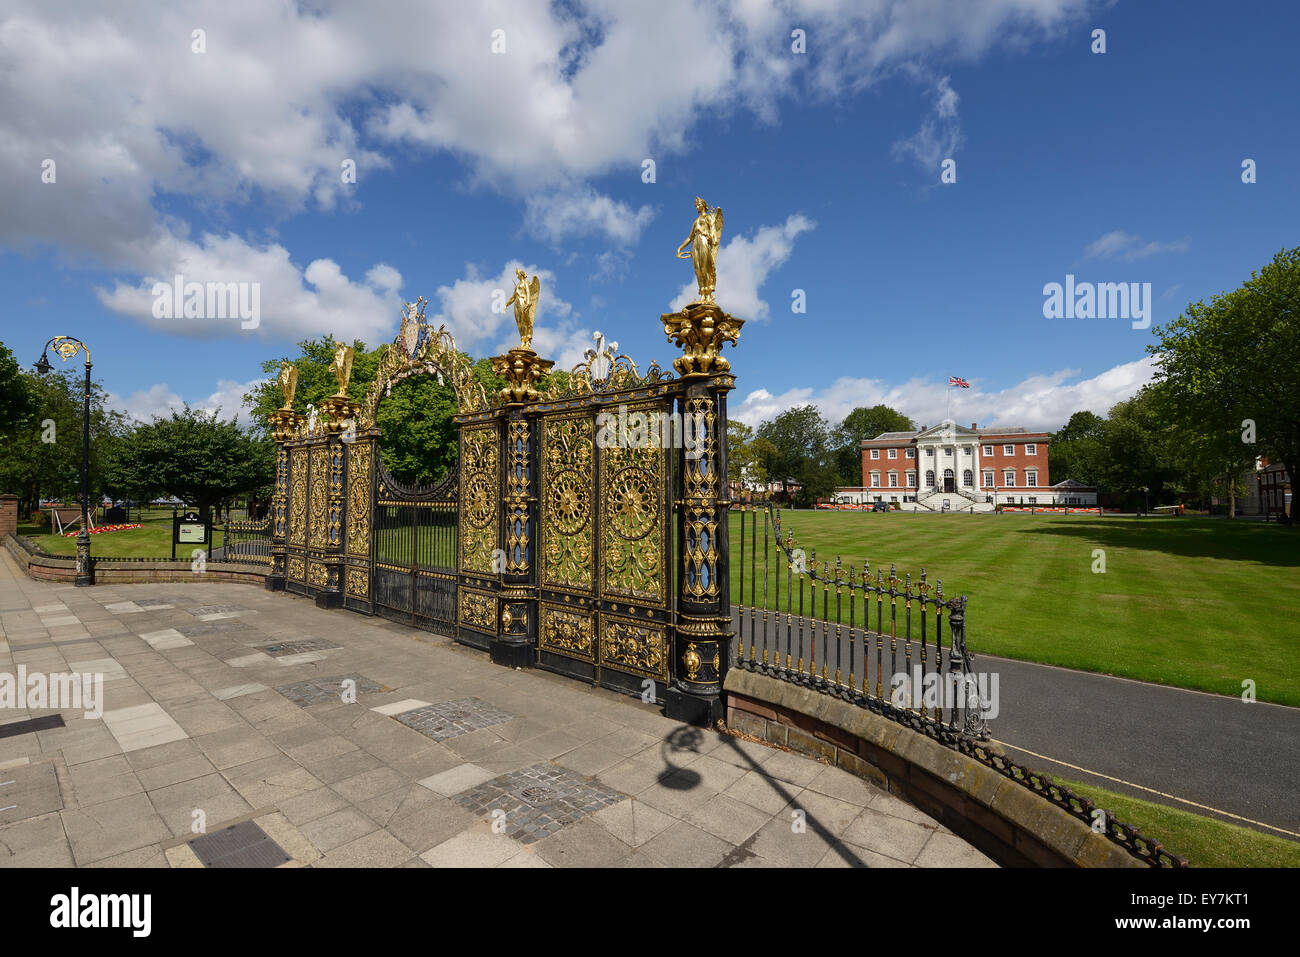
1204	841
1191	602
152	540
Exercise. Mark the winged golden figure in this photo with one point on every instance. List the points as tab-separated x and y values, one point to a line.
342	367
525	299
706	232
288	382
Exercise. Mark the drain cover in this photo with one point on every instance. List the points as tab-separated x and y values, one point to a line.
30	725
538	794
241	845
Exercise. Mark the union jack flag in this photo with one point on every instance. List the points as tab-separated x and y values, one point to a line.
953	380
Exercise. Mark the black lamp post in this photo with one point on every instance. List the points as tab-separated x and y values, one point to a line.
67	347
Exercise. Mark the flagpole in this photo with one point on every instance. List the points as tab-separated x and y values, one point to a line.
948	414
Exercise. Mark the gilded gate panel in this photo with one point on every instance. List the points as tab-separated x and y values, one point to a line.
480	489
567	631
318	499
633	510
638	647
567	531
298	497
358	524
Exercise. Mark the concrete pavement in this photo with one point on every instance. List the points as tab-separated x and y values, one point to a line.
244	728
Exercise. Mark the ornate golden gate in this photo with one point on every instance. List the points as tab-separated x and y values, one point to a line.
590	530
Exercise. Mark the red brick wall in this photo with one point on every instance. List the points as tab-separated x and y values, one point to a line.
1018	461
884	465
8	515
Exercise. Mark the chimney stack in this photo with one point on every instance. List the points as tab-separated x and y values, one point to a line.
972	426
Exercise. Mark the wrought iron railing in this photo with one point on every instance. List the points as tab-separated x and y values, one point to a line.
245	542
773	642
837	649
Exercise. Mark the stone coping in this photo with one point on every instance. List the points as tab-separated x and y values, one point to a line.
1003	818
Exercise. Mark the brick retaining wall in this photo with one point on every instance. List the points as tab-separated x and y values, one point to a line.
52	568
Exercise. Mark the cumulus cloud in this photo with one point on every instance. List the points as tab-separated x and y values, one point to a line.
293	301
160	399
140	125
1118	244
1042	402
744	264
562	215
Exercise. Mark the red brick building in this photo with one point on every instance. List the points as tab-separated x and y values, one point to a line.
963	468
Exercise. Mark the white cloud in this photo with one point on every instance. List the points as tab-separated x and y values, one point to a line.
562	215
294	302
1038	402
744	265
1128	247
160	399
286	93
940	135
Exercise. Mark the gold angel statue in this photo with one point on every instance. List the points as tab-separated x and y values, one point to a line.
525	299
706	232
288	382
342	367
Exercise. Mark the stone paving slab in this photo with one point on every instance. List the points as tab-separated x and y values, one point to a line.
444	759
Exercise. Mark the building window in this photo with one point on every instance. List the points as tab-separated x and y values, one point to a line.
929	452
988	478
967	478
1031	448
893	453
875	453
893	480
1031	478
965	450
1033	500
947	451
947	474
988	450
875	480
911	453
929	478
911	480
1009	478
1008	450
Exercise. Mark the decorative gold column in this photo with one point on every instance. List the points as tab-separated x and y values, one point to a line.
284	425
340	423
703	627
517	625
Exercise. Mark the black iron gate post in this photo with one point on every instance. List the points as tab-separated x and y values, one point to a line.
703	627
516	631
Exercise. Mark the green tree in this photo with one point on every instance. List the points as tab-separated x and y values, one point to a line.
863	423
17	403
1234	364
417	435
1077	450
194	456
42	453
798	436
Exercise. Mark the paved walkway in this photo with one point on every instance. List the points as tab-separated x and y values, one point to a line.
225	705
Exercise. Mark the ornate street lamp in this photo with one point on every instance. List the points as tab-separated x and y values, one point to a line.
67	347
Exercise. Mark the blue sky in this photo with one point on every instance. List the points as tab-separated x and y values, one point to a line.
225	165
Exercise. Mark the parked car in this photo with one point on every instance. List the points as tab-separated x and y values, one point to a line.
880	506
